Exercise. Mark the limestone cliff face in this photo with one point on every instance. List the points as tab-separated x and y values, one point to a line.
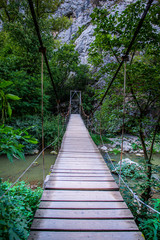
81	31
80	11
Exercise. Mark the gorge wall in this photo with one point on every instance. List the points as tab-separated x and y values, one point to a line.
81	31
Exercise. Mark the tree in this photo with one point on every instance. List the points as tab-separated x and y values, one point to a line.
113	33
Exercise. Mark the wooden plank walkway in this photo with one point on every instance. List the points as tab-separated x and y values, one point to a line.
81	199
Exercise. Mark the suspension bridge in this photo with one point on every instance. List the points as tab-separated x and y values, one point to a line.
81	199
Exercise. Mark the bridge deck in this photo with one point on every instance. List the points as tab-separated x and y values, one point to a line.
81	199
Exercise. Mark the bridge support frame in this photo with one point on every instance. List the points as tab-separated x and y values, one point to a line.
75	101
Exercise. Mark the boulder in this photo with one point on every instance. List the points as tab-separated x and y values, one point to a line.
35	151
127	146
129	165
139	154
53	152
104	148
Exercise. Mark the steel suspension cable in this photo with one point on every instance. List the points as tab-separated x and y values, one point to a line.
41	45
126	53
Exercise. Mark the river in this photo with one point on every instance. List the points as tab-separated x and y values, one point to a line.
34	176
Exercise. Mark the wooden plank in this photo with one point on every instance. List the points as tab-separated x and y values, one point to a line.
40	235
75	134
79	167
82	205
80	171
79	155
84	225
77	159
69	185
78	151
79	147
82	178
74	174
82	161
62	195
83	214
79	164
64	163
78	143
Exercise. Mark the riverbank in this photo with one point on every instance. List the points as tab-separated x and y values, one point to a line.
133	163
131	144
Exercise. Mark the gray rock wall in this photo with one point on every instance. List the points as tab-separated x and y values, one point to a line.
80	11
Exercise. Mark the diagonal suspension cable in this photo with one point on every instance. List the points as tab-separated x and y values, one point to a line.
42	47
126	53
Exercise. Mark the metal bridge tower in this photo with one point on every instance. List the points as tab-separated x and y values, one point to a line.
75	102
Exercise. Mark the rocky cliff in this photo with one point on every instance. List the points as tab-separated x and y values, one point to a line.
81	31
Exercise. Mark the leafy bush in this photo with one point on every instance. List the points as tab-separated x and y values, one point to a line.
116	151
97	139
17	209
50	128
135	146
131	169
11	141
151	225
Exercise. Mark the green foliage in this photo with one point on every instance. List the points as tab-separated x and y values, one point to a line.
148	221
68	73
151	225
79	32
110	114
97	139
116	151
50	129
5	106
17	210
134	170
113	32
20	60
11	141
62	23
135	146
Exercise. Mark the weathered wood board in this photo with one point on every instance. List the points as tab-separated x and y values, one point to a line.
41	235
81	199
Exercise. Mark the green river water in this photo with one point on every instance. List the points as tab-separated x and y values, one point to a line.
34	176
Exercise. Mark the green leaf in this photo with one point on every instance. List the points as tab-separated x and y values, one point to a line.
21	155
10	157
5	84
13	235
2	222
12	97
33	141
9	110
